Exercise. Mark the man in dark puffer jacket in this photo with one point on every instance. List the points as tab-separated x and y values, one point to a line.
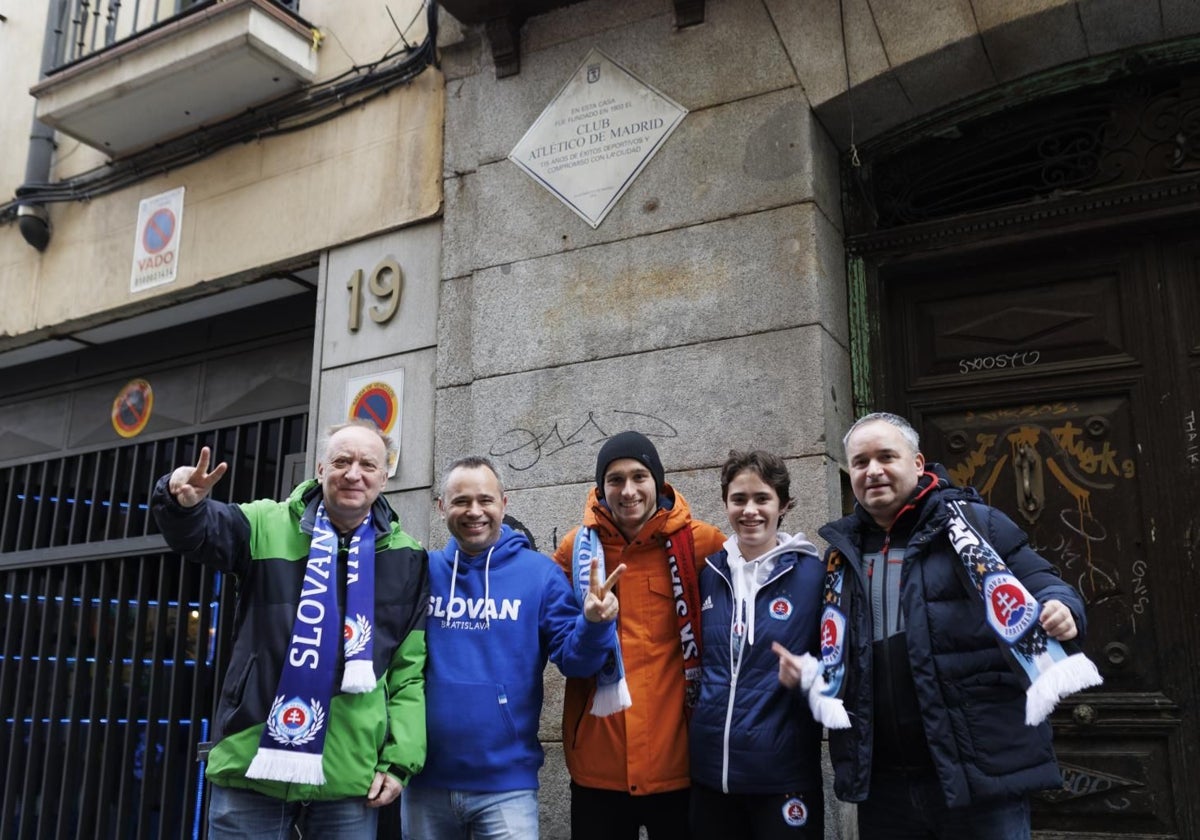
938	745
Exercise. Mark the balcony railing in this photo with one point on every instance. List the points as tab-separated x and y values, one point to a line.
84	28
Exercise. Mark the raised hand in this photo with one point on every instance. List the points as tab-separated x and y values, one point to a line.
191	485
600	604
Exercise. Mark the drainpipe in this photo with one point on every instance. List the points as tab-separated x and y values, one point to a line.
32	218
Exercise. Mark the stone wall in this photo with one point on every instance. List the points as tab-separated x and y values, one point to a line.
708	309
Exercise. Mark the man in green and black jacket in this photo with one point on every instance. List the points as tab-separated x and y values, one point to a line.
329	589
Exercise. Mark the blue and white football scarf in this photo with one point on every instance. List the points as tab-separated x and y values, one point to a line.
293	739
1049	669
612	691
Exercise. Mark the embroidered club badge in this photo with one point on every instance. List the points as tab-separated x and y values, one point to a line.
833	636
781	609
357	633
795	812
1011	610
295	722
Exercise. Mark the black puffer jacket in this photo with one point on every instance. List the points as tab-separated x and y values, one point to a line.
971	703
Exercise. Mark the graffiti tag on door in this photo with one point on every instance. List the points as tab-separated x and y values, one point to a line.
1050	445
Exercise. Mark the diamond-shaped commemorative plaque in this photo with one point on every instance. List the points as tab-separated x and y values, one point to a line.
598	132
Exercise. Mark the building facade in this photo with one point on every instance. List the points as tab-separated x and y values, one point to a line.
977	214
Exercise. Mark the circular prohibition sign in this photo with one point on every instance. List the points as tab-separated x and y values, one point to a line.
159	229
375	402
132	408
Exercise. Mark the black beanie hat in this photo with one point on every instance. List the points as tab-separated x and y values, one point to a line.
633	445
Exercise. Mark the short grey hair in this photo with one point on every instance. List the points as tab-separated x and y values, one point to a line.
906	429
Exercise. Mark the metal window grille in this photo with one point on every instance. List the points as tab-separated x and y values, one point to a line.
113	646
85	27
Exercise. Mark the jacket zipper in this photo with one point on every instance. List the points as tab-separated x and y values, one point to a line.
735	668
886	677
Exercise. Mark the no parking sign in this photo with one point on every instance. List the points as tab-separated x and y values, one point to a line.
132	407
379	399
156	245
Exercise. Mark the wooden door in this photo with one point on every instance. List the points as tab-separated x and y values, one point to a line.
1061	379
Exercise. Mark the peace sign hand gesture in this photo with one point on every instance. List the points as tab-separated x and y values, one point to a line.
601	602
191	485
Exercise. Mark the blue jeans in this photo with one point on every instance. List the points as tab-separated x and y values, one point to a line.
235	814
902	807
440	814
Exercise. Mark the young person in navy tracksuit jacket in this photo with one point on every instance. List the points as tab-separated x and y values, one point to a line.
755	748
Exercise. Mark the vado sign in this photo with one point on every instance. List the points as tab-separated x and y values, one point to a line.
156	245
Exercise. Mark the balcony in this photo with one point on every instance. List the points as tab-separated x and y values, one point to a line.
127	80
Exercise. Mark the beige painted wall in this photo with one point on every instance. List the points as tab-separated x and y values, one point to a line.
272	202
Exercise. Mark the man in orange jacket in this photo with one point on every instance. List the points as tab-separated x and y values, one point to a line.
629	767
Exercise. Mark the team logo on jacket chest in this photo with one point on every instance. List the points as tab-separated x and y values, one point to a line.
780	609
1011	610
795	812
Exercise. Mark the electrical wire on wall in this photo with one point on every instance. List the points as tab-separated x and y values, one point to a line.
297	111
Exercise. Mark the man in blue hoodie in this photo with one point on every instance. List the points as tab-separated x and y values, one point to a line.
497	611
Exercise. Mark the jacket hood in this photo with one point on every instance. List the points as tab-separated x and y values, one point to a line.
673	515
786	543
510	543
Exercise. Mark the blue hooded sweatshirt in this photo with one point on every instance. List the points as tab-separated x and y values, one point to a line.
493	621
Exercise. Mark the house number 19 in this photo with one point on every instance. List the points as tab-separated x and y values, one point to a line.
386	283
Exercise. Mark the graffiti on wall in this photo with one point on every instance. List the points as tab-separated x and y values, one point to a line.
521	449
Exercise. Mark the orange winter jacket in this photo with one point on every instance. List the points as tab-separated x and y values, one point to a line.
643	749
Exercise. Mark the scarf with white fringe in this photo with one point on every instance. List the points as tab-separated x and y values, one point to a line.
293	739
612	689
1049	669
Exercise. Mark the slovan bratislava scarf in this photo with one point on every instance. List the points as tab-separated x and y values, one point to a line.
293	739
1049	669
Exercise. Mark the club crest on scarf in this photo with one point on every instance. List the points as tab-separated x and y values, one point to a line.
833	636
357	634
295	723
1011	610
1050	669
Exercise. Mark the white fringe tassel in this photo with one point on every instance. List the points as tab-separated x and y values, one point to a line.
611	698
1066	676
359	677
828	711
283	766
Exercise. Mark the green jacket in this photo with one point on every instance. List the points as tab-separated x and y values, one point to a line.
265	545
